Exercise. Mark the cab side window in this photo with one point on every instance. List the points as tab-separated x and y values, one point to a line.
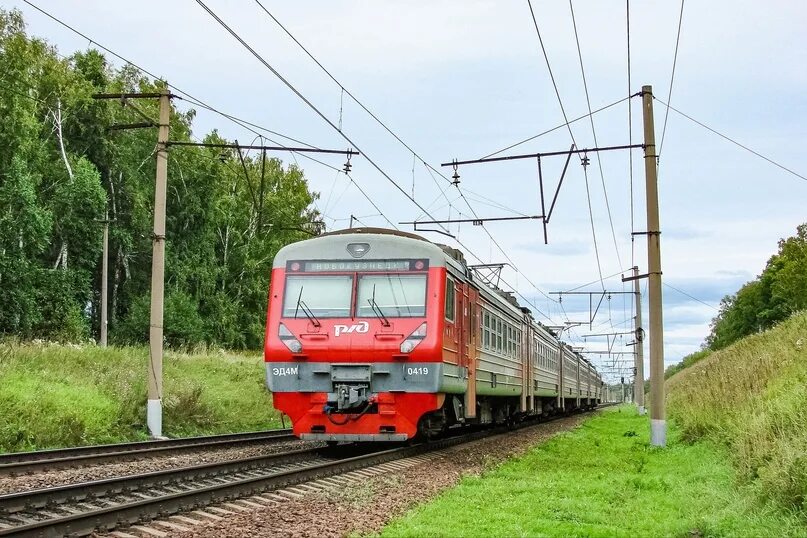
450	299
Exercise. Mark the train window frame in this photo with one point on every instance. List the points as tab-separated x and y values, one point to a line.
508	333
450	300
385	308
286	296
499	335
485	330
518	343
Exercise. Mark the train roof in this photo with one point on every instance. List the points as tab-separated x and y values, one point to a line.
384	244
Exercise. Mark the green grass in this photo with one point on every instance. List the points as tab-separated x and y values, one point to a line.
751	397
602	480
54	396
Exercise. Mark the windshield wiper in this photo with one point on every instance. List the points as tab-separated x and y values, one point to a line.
307	311
377	310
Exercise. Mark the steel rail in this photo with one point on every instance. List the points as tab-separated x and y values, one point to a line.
39	509
26	462
106	504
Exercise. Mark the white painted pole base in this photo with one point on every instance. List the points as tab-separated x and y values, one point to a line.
658	432
154	417
642	410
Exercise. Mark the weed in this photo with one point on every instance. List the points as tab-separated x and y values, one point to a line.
54	395
750	398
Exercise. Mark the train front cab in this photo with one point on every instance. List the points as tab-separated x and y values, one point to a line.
354	343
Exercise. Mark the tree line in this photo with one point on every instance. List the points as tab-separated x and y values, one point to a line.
62	170
776	294
772	297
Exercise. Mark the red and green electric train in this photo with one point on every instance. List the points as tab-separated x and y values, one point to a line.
381	335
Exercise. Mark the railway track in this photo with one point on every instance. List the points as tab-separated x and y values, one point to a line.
80	509
28	462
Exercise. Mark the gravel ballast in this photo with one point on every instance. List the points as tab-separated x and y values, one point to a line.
368	506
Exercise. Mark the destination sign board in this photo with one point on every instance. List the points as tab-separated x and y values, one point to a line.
352	266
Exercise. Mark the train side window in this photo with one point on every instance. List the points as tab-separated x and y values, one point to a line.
509	343
450	301
485	330
518	343
499	333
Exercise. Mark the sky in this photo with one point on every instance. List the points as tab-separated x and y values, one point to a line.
463	79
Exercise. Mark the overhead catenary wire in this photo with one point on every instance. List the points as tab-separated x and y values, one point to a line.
302	97
230	117
594	133
245	124
429	167
551	74
733	141
682	292
557	127
672	78
371	201
414	153
250	126
344	91
571	134
630	153
630	141
266	64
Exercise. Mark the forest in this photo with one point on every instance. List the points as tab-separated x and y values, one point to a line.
64	167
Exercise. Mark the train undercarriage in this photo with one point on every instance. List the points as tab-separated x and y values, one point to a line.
495	412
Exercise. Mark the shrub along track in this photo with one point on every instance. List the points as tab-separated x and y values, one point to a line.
28	462
79	509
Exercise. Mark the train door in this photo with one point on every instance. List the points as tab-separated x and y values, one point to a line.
561	383
471	297
451	323
529	351
526	370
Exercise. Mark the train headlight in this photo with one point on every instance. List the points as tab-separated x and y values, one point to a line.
289	340
414	339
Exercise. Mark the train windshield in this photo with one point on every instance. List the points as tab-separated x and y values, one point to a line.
393	295
325	296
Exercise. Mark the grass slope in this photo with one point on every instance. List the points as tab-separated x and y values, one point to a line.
53	396
604	480
752	398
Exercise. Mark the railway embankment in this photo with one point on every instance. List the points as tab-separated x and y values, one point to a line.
58	396
751	399
603	479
